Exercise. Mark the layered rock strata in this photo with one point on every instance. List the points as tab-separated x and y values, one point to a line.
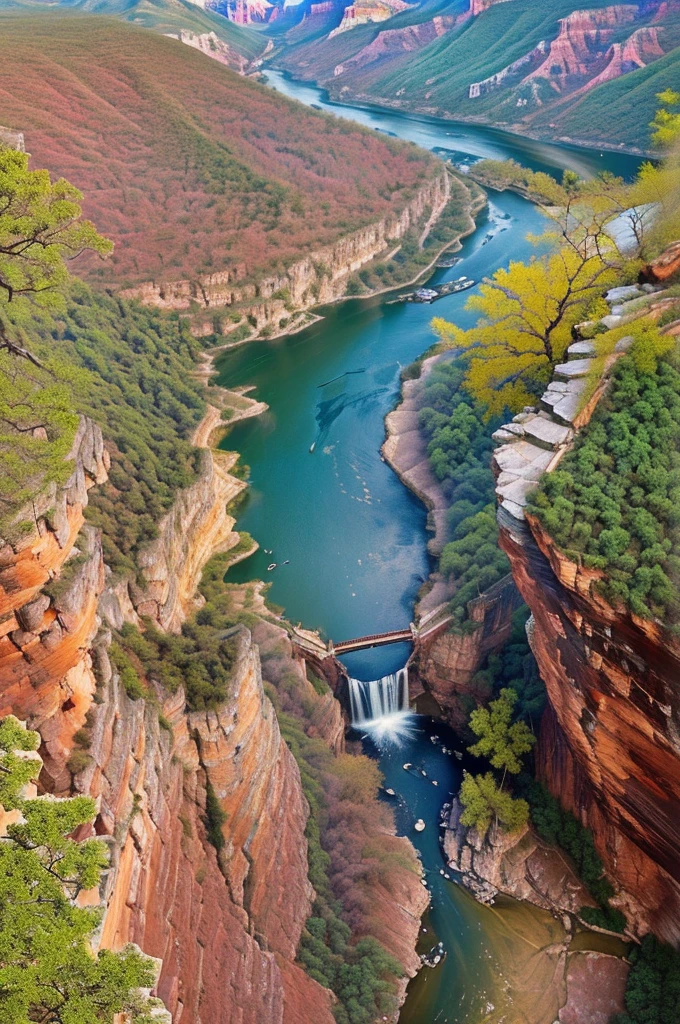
318	278
609	746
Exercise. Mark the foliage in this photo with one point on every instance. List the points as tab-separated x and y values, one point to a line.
514	666
459	450
40	228
199	658
215	817
195	170
47	969
527	312
653	985
485	801
501	741
666	122
613	502
129	368
559	827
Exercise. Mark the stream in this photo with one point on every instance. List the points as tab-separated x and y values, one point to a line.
354	540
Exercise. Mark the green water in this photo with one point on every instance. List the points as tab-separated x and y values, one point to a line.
355	538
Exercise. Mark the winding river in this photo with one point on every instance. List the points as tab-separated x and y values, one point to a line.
354	540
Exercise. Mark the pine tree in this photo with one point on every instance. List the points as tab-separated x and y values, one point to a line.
48	971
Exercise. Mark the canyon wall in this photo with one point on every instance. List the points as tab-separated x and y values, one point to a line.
224	915
610	742
318	278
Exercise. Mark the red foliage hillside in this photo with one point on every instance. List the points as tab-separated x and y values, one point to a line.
186	166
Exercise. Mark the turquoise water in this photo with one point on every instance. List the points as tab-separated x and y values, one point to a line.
355	538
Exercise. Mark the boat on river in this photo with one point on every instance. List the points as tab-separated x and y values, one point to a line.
439	290
448	261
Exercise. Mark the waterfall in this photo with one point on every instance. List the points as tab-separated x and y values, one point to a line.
380	706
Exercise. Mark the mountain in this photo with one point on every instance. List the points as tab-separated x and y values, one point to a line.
192	170
549	69
195	24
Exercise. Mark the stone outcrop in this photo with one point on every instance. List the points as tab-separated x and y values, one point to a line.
446	661
226	926
364	12
196	528
392	42
582	35
609	747
320	277
515	863
50	581
12	139
211	45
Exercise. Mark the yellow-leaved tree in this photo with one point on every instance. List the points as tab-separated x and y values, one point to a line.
526	316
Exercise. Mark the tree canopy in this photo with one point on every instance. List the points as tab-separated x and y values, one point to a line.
48	972
485	801
501	740
40	229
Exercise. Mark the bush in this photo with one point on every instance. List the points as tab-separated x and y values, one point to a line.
614	502
215	817
653	986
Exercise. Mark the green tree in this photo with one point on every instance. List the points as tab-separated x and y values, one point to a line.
484	801
40	229
501	740
48	972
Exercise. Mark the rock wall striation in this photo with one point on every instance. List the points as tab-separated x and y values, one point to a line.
610	742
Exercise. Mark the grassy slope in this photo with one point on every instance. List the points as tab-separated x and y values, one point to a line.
166	16
439	75
187	166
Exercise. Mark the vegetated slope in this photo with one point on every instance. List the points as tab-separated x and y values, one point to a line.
235	46
187	166
549	66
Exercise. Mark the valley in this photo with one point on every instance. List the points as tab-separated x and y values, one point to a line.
227	447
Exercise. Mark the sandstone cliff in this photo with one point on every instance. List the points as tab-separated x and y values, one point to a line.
320	277
609	746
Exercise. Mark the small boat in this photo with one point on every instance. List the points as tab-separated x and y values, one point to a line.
271	566
315	106
458	754
407	766
419	825
448	261
434	782
390	792
424	295
312	447
287	562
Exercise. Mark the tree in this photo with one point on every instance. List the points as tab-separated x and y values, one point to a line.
484	801
500	740
48	971
526	317
40	229
666	123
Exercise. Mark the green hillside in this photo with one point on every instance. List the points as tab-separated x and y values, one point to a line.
165	16
434	75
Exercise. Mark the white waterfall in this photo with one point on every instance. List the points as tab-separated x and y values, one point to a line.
380	706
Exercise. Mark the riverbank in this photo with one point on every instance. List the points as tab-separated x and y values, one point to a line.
345	98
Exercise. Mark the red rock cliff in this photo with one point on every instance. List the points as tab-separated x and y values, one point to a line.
610	744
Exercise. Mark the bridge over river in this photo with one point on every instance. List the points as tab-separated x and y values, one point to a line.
312	642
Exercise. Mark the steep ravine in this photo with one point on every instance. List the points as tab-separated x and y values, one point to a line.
226	926
609	745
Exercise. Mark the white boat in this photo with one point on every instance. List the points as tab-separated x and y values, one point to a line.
271	566
419	825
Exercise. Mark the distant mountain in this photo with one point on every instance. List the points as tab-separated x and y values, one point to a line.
588	70
194	23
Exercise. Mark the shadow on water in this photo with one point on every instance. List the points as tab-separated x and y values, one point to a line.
355	539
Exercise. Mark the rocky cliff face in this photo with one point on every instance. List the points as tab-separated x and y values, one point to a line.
320	277
50	581
227	925
582	36
196	528
610	745
445	662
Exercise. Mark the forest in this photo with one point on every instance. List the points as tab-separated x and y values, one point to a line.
219	176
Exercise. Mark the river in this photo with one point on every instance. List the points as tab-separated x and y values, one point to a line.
355	539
